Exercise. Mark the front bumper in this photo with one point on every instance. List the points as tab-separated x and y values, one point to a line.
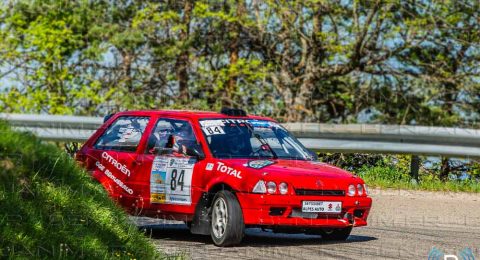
285	210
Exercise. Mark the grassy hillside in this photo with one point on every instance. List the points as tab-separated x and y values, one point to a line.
49	208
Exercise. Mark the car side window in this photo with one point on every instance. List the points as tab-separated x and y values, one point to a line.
173	136
123	135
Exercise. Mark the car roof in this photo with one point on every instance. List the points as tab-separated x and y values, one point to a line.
193	114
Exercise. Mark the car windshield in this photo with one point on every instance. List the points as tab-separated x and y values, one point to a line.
251	138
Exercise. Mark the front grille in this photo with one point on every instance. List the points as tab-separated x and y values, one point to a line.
307	192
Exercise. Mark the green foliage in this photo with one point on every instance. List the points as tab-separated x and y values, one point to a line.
384	174
475	170
390	62
393	171
51	209
387	177
328	61
351	162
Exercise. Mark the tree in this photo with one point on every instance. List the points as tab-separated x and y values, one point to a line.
319	61
395	62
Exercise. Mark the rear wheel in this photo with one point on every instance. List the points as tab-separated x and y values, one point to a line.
227	220
335	234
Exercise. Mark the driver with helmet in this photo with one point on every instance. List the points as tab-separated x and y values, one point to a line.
183	139
239	142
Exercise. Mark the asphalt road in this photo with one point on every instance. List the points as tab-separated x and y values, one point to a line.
402	225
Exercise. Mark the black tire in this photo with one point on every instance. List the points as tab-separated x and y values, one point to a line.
229	233
337	234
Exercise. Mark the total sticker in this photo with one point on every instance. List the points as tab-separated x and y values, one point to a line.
228	170
213	130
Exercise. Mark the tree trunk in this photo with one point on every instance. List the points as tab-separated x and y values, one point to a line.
302	106
234	50
449	97
445	169
183	62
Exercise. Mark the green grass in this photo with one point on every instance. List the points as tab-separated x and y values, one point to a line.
51	209
386	177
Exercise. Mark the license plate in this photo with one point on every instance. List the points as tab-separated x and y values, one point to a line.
322	206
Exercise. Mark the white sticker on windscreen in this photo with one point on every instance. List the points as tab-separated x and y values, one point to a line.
213	130
216	122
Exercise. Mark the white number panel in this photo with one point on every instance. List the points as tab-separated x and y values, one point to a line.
171	180
213	130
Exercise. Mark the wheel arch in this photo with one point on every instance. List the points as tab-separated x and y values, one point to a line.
201	220
216	188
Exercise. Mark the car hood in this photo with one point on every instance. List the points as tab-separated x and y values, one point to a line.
300	174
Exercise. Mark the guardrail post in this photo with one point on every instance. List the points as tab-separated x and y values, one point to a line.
414	167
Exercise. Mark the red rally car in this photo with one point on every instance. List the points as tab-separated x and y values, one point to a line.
222	173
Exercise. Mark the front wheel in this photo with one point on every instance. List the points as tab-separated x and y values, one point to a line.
335	234
227	220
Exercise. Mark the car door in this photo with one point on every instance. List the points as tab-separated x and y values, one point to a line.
115	152
169	174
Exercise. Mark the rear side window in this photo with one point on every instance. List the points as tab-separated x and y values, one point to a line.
123	135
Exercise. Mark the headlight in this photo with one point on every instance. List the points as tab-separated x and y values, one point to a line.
260	187
365	188
283	188
360	189
271	187
351	190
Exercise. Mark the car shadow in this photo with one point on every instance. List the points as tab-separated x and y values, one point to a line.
254	237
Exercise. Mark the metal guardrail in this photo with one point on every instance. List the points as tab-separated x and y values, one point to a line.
418	140
55	128
399	139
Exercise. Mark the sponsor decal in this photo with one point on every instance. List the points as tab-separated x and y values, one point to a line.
171	180
221	167
216	126
110	175
209	166
261	123
157	180
121	167
259	164
222	122
234	121
216	122
129	132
